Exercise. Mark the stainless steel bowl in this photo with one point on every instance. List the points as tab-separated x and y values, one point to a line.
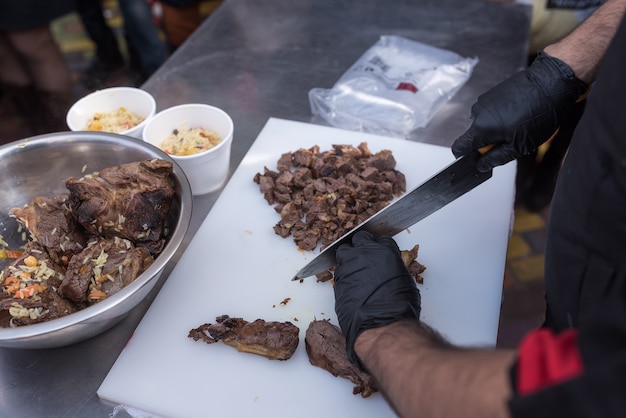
38	166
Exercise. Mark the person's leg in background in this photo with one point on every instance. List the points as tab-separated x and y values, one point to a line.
143	39
180	22
39	79
109	58
17	86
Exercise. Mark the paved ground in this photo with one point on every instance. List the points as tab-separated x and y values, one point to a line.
523	300
523	303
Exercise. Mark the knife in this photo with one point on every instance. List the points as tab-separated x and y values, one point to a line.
455	180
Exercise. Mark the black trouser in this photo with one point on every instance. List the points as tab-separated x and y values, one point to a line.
92	17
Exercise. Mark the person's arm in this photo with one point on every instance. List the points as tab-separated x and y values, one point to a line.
421	375
378	307
585	46
525	110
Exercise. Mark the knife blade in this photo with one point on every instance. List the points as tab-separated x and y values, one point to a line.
453	181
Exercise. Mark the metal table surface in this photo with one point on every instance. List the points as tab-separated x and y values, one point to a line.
258	59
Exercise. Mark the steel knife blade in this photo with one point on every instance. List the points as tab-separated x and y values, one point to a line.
447	185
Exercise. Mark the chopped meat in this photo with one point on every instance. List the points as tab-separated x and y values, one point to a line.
51	224
128	201
322	195
326	348
274	340
409	257
102	269
324	276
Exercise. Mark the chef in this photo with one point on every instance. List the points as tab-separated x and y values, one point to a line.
575	365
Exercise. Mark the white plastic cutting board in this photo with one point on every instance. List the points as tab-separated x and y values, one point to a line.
237	265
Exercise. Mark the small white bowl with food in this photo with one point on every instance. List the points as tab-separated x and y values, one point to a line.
199	138
119	110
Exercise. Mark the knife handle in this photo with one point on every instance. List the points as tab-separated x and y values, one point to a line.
486	148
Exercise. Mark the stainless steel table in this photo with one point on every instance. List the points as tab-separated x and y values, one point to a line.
258	59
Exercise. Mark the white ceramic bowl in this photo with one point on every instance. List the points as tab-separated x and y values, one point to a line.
207	170
135	100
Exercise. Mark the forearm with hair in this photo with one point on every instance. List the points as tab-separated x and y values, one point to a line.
422	375
585	46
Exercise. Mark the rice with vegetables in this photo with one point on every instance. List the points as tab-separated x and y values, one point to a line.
191	141
115	121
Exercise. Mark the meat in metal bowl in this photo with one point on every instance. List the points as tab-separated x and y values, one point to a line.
39	166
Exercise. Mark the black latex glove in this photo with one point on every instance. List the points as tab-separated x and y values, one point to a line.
521	113
372	287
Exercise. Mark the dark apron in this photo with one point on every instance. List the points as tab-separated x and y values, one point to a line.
586	244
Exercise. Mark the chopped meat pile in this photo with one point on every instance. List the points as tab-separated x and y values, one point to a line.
326	348
271	339
322	195
87	245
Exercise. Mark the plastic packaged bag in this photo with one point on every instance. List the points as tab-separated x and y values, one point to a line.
396	86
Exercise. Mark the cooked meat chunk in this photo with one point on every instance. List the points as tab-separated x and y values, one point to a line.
19	312
409	257
322	195
102	269
51	224
326	348
271	339
128	201
28	289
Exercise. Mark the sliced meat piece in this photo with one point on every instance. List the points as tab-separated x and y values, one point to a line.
102	269
326	348
271	339
129	201
49	221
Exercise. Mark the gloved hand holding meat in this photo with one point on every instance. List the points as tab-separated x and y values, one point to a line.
521	113
372	288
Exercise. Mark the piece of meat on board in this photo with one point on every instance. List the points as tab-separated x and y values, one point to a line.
271	339
326	348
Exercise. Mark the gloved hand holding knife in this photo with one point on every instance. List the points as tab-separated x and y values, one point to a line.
521	113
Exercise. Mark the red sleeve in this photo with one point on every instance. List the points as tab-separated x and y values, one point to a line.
546	359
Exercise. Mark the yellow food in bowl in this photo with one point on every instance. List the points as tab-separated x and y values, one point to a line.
191	141
115	121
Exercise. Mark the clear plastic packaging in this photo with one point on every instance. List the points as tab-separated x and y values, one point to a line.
396	86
